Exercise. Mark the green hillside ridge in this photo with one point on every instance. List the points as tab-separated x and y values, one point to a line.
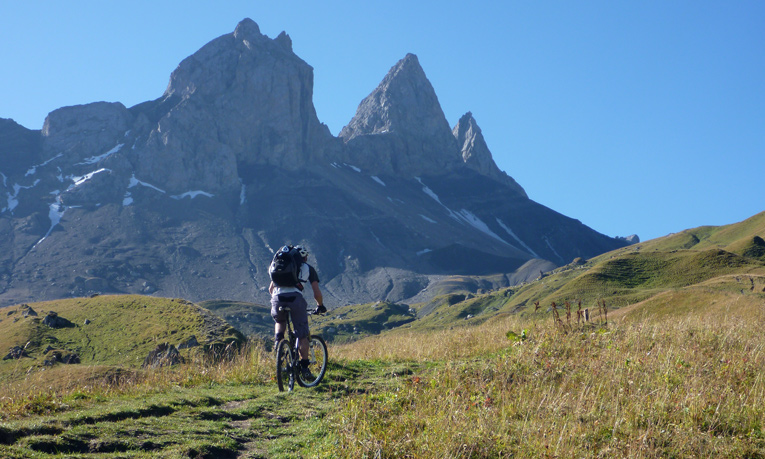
117	331
351	323
727	294
623	277
636	273
252	319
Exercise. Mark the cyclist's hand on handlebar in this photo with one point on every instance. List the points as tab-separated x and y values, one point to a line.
321	309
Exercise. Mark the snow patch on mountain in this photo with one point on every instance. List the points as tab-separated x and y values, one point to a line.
192	194
429	192
242	193
435	197
55	214
428	219
95	159
377	179
377	239
478	224
512	234
547	241
134	182
32	170
464	216
82	179
13	200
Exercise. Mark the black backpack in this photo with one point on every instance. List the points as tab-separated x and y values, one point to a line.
285	267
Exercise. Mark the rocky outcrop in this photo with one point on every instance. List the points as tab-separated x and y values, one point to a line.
61	356
631	239
164	355
53	320
243	99
400	127
85	132
15	353
476	154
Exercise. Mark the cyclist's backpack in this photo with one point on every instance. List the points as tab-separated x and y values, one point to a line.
285	267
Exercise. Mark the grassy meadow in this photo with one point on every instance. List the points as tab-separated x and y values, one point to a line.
685	382
671	365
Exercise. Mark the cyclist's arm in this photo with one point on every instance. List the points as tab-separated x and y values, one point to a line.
313	279
317	293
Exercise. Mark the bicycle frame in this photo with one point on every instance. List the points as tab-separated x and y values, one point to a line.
288	366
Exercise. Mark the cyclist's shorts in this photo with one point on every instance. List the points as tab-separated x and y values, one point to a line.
298	305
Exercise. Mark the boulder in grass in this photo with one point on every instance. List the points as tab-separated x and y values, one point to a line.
62	356
189	343
53	320
16	352
163	355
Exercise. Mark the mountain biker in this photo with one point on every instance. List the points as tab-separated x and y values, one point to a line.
293	297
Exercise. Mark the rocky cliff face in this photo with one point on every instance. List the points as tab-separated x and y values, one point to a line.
189	195
243	99
476	154
400	127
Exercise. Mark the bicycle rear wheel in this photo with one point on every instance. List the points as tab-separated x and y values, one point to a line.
285	377
318	357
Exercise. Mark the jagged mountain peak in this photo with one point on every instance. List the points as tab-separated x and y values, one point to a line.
187	195
228	58
408	67
284	40
247	29
249	99
476	154
403	101
400	127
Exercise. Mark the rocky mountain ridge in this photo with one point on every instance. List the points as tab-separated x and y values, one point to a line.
188	195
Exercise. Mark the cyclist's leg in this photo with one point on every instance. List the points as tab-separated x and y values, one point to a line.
280	319
300	322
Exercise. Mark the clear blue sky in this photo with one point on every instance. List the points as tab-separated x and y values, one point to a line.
633	117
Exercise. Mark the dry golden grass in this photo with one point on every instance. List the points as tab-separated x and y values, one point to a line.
648	387
456	343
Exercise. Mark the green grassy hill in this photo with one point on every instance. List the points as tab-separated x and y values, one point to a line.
109	331
252	319
350	323
621	278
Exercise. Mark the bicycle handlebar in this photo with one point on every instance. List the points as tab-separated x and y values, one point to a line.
311	312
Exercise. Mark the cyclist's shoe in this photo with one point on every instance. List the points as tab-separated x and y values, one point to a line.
306	374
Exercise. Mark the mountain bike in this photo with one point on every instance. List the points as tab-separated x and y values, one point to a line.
288	359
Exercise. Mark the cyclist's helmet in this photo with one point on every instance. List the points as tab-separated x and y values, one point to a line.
302	250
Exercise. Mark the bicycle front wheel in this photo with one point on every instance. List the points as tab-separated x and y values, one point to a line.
317	365
285	376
